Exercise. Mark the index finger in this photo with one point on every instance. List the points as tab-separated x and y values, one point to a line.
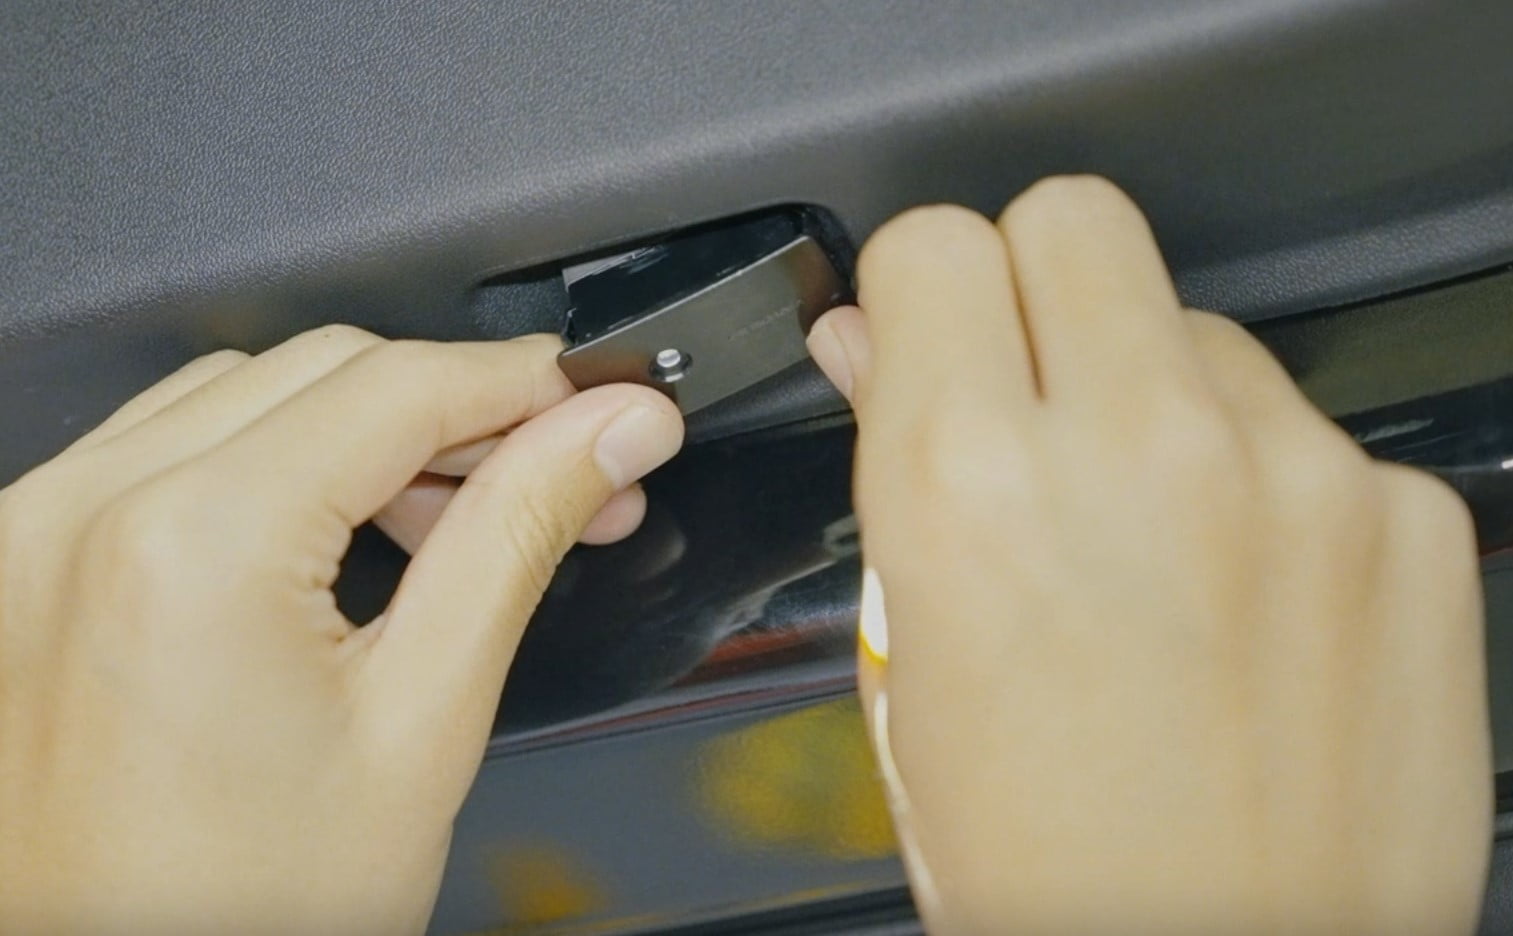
942	315
353	439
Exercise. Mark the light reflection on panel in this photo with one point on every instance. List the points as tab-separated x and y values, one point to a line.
703	819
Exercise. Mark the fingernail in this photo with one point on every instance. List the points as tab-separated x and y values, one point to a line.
635	442
830	354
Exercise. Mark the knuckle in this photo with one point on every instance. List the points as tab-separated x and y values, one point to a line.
224	359
1064	204
1218	331
1432	502
1189	442
1324	478
341	335
928	230
1059	196
961	469
325	347
408	360
40	501
143	534
1227	347
1189	426
1078	188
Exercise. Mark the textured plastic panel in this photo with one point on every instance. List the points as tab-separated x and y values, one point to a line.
177	176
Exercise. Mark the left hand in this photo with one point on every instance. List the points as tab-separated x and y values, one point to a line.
192	737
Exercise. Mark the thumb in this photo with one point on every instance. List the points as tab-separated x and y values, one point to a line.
840	345
448	638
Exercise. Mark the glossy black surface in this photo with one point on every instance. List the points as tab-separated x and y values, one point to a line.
746	567
603	294
678	739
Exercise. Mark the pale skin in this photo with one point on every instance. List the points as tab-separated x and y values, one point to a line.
1165	651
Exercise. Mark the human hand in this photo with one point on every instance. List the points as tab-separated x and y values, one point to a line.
192	737
1164	651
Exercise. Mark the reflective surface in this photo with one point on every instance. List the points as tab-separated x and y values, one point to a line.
738	589
678	740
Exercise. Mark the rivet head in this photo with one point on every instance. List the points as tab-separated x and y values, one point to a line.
670	364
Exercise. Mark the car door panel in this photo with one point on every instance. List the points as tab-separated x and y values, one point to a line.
177	177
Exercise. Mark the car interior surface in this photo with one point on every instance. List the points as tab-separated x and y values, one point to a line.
679	748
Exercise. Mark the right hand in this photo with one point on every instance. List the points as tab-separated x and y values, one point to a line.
1165	651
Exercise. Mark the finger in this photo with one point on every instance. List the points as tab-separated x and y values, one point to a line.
1098	303
839	344
460	460
170	389
942	317
439	661
409	517
218	409
1253	385
349	442
617	519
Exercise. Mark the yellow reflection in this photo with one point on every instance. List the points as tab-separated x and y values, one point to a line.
805	780
873	630
541	884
